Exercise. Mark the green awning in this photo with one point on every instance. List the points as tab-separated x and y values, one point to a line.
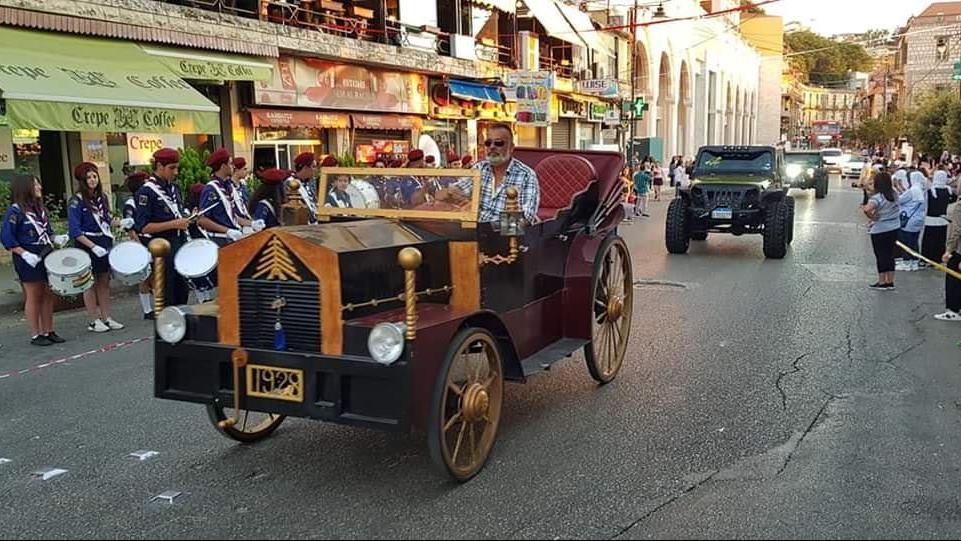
66	83
211	67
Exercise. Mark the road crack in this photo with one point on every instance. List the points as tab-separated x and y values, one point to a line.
807	431
794	370
665	503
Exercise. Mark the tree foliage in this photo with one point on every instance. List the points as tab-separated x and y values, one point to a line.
754	9
935	122
192	169
829	61
877	131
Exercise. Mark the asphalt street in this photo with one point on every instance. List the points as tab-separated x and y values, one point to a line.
759	398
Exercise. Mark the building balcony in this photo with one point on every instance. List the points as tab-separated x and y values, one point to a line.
344	31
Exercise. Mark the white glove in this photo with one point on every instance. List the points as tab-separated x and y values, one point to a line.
98	251
60	240
32	259
258	225
234	234
126	223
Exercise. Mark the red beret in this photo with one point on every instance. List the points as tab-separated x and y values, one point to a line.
274	176
329	161
166	156
396	162
466	160
218	158
452	156
304	159
239	163
414	155
81	170
430	159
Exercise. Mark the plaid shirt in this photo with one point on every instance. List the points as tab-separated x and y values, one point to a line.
492	204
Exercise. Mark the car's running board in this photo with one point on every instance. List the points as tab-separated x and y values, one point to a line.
545	358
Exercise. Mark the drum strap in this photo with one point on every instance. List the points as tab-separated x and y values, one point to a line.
165	198
239	203
227	202
309	201
268	205
98	217
42	235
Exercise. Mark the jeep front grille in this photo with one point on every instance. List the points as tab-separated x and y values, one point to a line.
733	198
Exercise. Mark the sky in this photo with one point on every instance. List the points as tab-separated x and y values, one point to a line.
829	17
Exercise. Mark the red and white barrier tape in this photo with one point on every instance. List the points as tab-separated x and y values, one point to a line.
75	357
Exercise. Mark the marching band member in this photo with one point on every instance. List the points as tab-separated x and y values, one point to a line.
304	172
410	186
266	202
453	160
337	197
134	182
240	181
89	223
466	161
160	214
26	232
430	161
224	222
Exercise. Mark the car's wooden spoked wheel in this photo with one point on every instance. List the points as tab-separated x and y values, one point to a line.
251	425
467	414
612	310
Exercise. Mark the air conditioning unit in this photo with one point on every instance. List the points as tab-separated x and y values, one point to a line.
463	47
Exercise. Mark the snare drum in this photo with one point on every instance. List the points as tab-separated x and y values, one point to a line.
363	195
196	261
69	271
130	262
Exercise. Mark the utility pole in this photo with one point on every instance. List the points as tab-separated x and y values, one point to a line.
631	115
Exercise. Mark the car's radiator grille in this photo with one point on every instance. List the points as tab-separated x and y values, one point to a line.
300	315
725	198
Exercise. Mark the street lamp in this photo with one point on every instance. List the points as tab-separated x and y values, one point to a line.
659	12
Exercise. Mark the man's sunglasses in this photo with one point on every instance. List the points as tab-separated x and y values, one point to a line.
499	143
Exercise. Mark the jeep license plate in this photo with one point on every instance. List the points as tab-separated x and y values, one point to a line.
722	214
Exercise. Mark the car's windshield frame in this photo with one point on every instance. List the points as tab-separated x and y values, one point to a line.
701	167
467	217
804	158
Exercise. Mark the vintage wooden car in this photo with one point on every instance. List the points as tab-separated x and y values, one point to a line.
408	318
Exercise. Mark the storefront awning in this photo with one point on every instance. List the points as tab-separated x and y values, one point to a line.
475	91
66	83
282	118
387	122
211	67
553	21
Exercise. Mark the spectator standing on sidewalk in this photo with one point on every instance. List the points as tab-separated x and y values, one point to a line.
642	185
657	174
952	259
914	206
936	222
883	211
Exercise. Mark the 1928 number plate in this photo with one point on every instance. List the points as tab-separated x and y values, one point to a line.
275	383
722	214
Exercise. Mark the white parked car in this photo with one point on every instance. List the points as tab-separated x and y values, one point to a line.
832	159
852	167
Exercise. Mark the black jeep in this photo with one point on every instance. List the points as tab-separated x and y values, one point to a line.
737	190
805	171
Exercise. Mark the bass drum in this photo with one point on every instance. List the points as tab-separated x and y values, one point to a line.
196	261
130	262
69	271
363	195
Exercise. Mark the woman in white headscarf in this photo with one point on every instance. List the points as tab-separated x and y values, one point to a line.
936	222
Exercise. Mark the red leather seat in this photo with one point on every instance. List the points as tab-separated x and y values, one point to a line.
561	178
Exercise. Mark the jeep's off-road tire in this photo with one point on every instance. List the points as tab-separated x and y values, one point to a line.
790	219
821	188
699	235
776	229
676	233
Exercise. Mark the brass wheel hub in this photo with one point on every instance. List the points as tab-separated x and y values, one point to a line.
615	308
475	403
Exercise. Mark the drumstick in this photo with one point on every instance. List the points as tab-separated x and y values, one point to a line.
195	216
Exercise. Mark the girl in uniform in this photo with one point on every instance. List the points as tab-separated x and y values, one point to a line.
26	232
266	202
89	222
